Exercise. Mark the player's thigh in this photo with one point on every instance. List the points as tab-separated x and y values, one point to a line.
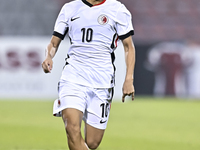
93	136
72	119
71	102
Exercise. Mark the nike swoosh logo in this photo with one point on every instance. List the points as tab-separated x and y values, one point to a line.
103	121
72	19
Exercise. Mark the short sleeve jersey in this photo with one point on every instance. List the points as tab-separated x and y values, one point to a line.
93	31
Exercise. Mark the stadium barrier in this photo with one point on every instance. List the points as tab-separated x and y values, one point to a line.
21	74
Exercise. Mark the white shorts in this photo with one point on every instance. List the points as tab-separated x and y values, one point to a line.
95	103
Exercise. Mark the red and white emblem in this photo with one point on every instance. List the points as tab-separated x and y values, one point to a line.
58	103
103	20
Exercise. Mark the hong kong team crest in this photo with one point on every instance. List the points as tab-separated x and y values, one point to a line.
103	19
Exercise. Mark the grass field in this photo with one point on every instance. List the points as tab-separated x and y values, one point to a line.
145	124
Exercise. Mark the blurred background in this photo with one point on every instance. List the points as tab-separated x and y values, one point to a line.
167	41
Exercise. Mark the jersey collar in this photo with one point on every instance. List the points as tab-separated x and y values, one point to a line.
90	5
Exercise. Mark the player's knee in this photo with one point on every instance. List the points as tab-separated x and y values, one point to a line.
93	144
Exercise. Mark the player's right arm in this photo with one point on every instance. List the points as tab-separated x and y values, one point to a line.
51	50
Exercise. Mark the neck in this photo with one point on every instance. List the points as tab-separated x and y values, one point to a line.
95	2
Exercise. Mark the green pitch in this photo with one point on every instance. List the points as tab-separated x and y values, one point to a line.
145	124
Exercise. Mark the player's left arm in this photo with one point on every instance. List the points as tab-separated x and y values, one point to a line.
128	87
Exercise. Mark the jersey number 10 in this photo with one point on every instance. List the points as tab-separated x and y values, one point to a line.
87	34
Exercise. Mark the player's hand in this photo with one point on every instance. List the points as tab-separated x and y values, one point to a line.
128	89
47	65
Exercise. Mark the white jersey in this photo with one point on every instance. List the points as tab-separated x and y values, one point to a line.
93	31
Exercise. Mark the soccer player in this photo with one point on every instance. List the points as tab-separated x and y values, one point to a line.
86	84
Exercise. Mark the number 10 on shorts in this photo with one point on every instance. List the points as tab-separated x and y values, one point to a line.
105	109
